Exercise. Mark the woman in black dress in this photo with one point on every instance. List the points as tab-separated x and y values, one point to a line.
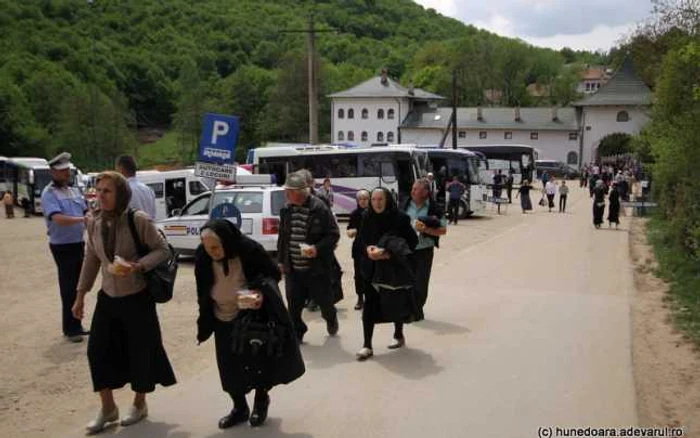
383	221
353	229
236	288
599	193
614	207
524	194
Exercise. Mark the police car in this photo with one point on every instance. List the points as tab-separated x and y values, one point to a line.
256	207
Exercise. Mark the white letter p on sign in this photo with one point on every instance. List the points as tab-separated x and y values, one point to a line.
221	128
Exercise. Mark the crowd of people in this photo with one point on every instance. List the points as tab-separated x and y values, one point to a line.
257	336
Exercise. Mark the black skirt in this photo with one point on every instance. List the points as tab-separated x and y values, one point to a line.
125	345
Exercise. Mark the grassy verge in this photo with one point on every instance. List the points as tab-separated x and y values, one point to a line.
683	275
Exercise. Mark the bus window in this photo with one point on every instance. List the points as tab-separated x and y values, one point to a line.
196	188
158	189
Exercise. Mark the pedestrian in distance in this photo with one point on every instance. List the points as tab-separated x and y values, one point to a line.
9	201
509	185
498	181
125	345
353	229
325	192
614	206
236	290
455	190
142	197
599	192
386	239
308	235
563	195
26	207
429	221
65	214
524	194
551	191
545	179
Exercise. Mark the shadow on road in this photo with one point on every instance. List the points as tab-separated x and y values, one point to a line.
410	363
271	429
442	328
147	428
324	356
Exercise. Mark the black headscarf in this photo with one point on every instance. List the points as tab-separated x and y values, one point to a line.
230	237
375	225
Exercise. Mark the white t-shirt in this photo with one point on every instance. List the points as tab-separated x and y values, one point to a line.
550	188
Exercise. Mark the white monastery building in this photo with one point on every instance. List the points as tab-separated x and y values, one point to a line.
381	111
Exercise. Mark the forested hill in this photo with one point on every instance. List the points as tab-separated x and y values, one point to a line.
81	74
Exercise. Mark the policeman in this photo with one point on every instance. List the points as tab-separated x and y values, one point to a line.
65	215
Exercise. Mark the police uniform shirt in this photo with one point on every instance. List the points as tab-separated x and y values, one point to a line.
67	201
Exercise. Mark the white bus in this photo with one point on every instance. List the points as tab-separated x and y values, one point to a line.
173	188
4	175
444	164
506	157
349	168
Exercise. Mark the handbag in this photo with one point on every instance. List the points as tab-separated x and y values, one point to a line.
161	279
542	201
256	336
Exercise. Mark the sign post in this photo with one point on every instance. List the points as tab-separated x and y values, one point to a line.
217	152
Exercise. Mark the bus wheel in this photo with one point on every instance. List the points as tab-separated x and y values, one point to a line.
464	211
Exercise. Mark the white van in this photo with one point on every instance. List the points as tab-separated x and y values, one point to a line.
173	189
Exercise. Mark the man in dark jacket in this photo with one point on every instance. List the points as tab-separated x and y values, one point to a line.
308	235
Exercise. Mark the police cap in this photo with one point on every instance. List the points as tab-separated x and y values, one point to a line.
60	161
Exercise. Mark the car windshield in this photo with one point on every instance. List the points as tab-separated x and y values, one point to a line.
244	201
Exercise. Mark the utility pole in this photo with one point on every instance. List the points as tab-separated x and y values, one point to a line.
311	32
454	109
313	83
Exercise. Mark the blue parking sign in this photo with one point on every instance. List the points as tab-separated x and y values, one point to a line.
219	138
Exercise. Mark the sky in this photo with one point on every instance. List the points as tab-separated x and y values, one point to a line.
582	25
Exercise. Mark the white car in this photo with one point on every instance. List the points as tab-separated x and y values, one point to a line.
260	215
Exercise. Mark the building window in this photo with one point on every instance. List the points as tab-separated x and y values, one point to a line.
572	158
363	136
365	113
390	137
351	136
508	135
380	137
341	113
351	113
390	114
534	135
462	134
482	135
380	114
573	136
341	136
623	116
588	128
597	85
588	86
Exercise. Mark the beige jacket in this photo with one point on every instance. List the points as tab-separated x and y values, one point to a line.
95	257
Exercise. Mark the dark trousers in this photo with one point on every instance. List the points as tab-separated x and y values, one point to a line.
509	190
300	286
69	260
550	200
125	344
453	210
369	314
562	203
422	261
358	277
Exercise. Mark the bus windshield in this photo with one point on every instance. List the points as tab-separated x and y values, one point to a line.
42	178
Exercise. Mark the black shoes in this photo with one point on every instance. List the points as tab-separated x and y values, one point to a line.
333	326
259	415
235	417
360	304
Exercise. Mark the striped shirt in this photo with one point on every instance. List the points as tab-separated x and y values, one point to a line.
299	227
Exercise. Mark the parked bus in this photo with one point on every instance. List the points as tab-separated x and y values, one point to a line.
27	178
446	163
520	158
349	168
173	188
4	175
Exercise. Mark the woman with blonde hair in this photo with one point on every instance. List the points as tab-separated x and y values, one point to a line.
125	343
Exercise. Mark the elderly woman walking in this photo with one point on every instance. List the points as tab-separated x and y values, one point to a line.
237	294
598	196
125	343
353	228
386	239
